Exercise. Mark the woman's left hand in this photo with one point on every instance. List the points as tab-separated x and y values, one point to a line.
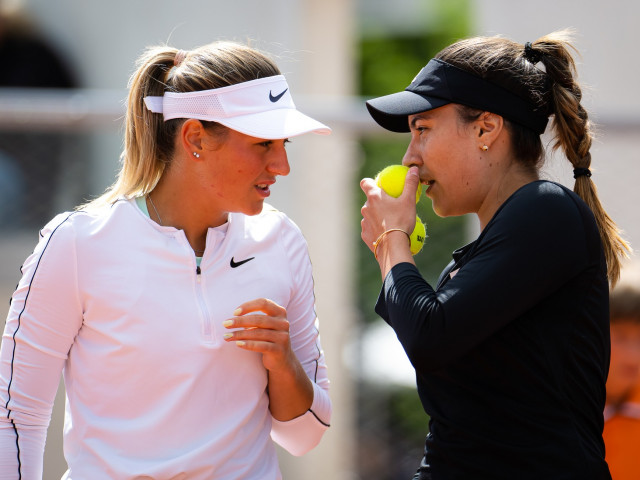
262	326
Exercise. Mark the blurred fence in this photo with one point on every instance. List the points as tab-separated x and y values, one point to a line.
45	159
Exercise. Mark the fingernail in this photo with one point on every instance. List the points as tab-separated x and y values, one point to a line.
237	311
228	335
241	343
227	323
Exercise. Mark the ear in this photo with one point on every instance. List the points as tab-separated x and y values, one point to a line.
192	134
489	127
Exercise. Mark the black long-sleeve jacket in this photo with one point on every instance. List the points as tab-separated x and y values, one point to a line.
511	349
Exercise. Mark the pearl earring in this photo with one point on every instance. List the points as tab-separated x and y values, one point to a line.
484	148
196	154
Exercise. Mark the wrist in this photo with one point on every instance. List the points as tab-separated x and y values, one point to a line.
387	233
393	250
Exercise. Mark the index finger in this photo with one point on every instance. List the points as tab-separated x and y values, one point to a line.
411	184
263	305
367	185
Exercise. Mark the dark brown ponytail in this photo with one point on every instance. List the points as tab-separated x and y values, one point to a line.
573	134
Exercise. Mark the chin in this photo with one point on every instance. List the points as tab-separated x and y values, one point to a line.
439	211
253	209
450	211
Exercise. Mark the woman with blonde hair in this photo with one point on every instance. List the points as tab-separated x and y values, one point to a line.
511	347
178	305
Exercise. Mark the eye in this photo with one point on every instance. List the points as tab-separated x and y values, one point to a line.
270	143
419	129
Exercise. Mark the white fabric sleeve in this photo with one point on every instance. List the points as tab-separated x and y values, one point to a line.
301	434
44	318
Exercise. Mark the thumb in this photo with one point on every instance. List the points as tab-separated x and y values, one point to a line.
411	183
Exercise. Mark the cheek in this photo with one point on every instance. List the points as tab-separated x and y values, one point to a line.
448	156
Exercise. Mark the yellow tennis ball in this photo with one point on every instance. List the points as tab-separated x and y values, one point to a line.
418	236
391	180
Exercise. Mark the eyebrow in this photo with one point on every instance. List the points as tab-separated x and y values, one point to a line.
421	116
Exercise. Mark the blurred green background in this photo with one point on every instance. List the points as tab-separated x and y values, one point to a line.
392	423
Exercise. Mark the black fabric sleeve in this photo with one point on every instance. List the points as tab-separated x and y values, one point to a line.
534	244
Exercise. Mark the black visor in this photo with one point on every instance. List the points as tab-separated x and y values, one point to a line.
440	83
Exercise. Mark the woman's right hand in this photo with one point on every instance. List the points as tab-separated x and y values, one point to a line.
382	212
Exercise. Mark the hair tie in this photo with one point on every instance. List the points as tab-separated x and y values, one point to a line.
533	56
579	172
180	55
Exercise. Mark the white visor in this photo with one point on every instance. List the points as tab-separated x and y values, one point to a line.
260	108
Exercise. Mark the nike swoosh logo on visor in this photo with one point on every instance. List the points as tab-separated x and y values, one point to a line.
235	264
277	97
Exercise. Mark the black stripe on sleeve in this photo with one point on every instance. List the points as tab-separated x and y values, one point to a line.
13	354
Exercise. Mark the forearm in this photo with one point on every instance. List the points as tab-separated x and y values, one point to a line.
290	392
21	456
303	432
299	397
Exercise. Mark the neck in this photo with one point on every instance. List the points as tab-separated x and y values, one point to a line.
512	180
184	209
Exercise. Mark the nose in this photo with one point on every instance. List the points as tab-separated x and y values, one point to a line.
412	156
279	164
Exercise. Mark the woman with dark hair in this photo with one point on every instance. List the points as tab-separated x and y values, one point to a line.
511	347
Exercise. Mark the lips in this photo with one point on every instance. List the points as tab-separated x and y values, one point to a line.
263	189
429	184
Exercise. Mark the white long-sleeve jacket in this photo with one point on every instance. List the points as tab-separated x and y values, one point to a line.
117	303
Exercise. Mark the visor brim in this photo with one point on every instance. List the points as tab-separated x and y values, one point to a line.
275	124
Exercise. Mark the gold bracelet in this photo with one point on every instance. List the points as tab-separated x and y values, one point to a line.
381	237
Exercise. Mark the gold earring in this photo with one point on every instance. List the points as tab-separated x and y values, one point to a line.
484	148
